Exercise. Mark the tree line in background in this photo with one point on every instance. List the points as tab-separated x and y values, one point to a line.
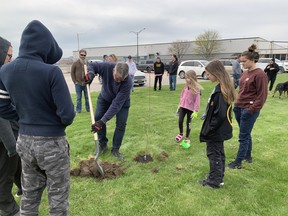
206	45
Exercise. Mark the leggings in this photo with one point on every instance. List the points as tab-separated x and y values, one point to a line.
182	113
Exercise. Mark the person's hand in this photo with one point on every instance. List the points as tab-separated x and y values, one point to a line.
194	114
97	126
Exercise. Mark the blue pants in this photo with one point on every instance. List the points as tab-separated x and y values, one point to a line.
121	119
246	122
172	82
79	88
132	79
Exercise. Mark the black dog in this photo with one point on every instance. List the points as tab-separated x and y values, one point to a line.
281	87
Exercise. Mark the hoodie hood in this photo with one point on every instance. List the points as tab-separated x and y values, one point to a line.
37	41
4	46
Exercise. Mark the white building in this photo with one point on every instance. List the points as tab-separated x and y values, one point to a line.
229	47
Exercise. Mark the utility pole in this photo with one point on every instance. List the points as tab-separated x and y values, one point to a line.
137	44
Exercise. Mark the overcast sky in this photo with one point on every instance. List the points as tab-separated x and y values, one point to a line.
109	23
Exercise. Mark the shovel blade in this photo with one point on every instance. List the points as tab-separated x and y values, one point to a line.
98	166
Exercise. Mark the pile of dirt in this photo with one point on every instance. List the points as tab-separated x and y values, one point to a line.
88	169
143	158
164	156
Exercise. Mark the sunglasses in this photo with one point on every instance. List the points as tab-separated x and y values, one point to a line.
9	55
82	55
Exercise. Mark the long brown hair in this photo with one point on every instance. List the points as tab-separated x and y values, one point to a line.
193	85
217	69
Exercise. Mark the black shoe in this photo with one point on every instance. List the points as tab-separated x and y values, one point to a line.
205	183
102	149
248	160
207	177
234	165
117	154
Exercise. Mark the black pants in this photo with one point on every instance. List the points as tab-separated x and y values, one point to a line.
182	113
10	171
271	79
160	82
216	156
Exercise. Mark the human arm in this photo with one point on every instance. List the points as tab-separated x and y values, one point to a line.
122	96
261	81
73	71
7	109
61	97
7	136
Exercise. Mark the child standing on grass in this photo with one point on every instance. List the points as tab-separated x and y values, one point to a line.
217	125
189	104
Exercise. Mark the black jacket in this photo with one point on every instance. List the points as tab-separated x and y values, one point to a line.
173	68
217	125
272	72
158	67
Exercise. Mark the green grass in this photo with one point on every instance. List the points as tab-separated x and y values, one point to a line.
259	188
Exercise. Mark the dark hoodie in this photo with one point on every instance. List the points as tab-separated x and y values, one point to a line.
8	129
37	87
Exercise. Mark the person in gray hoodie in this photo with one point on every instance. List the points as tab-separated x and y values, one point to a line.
10	164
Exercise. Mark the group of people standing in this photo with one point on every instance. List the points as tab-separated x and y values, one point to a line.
34	94
217	125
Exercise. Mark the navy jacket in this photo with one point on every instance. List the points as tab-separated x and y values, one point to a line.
112	92
36	87
217	125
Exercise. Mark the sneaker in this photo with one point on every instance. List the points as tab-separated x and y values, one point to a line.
179	137
234	165
207	177
117	154
248	160
205	183
19	193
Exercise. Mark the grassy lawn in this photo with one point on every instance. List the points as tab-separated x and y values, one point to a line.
260	188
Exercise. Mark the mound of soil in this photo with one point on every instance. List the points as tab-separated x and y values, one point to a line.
143	158
164	156
88	169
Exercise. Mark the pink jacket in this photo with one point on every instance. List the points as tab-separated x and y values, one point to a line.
190	101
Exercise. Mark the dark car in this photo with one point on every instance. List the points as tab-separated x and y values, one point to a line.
146	65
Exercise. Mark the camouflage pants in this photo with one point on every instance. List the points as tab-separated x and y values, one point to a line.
45	162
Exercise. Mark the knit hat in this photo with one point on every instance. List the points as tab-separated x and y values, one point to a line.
4	46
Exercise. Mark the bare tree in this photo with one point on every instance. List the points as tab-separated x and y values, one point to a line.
179	48
208	44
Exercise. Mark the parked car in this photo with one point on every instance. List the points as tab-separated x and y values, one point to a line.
285	65
263	62
197	65
228	65
139	78
146	65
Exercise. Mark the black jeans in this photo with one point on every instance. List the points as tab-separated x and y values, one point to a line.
158	78
216	155
271	79
121	120
182	113
10	171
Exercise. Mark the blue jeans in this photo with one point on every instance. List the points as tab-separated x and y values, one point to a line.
246	122
79	88
121	119
172	82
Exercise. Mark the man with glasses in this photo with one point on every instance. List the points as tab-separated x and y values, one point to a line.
114	99
10	163
78	77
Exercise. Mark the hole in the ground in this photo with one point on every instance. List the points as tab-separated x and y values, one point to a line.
143	158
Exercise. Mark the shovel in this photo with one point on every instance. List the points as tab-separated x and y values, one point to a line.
98	166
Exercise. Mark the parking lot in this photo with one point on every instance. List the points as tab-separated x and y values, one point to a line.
96	86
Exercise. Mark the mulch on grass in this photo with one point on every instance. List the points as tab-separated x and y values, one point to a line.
88	169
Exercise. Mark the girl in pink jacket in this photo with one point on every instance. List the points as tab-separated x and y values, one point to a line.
189	104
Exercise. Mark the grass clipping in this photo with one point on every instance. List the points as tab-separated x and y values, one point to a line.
88	169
